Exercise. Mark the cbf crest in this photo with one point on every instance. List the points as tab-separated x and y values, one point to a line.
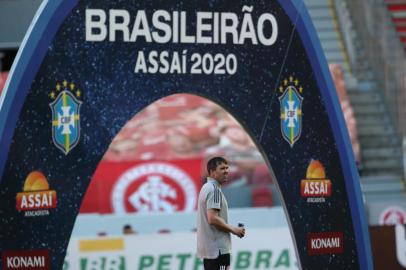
291	110
65	116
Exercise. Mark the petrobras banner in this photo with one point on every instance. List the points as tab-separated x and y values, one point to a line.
144	186
261	249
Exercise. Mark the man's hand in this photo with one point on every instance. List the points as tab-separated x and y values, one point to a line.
215	220
239	231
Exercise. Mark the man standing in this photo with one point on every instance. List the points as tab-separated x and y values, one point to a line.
213	231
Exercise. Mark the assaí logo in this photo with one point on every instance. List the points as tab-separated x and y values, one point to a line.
37	198
316	187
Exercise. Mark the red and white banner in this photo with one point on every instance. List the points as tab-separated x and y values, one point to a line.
152	186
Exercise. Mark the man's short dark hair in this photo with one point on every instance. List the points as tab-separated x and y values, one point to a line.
214	162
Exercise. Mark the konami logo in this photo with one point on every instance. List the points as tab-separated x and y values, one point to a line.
325	243
34	259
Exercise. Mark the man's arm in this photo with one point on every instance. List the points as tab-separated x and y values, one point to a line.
215	220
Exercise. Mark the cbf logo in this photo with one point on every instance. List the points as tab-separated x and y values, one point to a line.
291	110
65	116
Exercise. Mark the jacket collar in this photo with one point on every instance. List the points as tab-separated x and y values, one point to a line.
213	181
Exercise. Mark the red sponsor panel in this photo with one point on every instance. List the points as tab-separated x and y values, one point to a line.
397	7
325	243
36	200
33	259
315	188
399	20
144	186
401	29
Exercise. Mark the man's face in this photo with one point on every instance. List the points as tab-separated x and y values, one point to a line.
220	173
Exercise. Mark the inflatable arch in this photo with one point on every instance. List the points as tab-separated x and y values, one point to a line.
85	68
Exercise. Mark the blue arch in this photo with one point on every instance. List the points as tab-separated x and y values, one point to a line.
34	46
297	12
53	13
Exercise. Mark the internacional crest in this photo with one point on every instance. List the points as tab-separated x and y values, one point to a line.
65	116
291	110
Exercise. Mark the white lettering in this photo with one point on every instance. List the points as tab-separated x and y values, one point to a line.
99	25
165	28
164	62
119	26
152	58
162	26
184	38
203	27
21	262
260	28
229	29
320	243
140	65
216	28
10	262
175	66
37	200
175	27
316	200
316	188
24	203
37	213
248	30
141	27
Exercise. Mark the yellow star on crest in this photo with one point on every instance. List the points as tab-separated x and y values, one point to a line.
72	86
58	87
78	93
52	94
290	79
65	83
